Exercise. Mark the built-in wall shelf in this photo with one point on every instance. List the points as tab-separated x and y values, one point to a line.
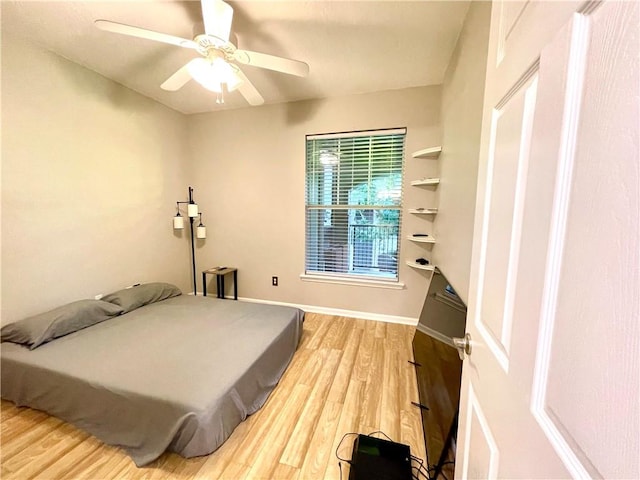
424	211
419	266
428	239
432	152
425	181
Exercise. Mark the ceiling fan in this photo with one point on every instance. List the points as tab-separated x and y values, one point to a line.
216	68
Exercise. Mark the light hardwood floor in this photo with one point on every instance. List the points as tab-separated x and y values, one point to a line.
348	375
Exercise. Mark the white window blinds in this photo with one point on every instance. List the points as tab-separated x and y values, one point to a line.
354	203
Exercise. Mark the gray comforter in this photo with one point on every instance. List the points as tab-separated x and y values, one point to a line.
179	374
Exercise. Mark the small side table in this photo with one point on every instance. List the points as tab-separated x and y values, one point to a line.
220	272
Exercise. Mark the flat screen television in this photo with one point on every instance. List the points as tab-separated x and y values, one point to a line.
439	370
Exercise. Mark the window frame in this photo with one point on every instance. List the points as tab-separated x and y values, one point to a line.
349	277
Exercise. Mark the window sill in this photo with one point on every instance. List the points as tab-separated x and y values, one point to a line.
356	282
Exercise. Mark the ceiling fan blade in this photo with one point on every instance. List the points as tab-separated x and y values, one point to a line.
248	91
178	79
217	16
144	33
271	62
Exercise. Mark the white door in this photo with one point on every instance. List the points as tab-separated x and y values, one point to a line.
551	387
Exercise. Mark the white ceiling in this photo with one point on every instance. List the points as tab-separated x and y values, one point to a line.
351	46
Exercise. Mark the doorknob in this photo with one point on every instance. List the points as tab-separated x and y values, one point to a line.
463	345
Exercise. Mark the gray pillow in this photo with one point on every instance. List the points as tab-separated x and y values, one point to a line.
39	329
140	295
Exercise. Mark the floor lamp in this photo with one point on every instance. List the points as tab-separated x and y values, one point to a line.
201	230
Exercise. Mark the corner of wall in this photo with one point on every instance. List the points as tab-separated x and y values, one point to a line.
462	103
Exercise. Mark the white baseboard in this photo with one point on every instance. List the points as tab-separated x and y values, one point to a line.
339	312
435	334
379	317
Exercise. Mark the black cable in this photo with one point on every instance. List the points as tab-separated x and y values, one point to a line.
340	444
449	462
380	431
420	472
421	466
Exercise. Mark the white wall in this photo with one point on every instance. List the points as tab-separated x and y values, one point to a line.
462	96
249	175
91	172
90	175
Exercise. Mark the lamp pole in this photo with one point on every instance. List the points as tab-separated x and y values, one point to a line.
193	245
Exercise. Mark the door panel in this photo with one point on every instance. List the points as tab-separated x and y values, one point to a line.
551	387
590	403
482	459
504	200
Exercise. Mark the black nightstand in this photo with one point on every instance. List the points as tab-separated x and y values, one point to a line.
220	272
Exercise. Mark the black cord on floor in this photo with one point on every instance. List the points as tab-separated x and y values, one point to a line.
340	444
380	431
421	467
419	472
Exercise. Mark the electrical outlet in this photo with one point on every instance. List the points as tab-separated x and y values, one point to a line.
274	281
99	296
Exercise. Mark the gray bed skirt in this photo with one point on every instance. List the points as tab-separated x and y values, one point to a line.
176	375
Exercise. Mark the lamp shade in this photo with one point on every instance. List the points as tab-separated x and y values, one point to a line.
192	209
201	231
211	73
178	222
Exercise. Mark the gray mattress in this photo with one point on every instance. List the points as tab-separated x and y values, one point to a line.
176	375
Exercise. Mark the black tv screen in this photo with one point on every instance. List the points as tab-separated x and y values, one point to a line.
439	369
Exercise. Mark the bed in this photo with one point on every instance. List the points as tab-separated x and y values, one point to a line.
178	374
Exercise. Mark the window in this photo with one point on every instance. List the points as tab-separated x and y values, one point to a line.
354	203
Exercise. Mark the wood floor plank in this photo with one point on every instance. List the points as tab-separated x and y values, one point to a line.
390	395
28	438
60	469
345	369
293	373
8	410
361	366
319	334
285	472
105	465
264	461
188	468
348	376
298	442
95	459
348	424
55	444
16	425
372	402
319	452
337	334
236	471
381	330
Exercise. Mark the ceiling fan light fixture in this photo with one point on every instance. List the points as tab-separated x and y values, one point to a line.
218	47
211	74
